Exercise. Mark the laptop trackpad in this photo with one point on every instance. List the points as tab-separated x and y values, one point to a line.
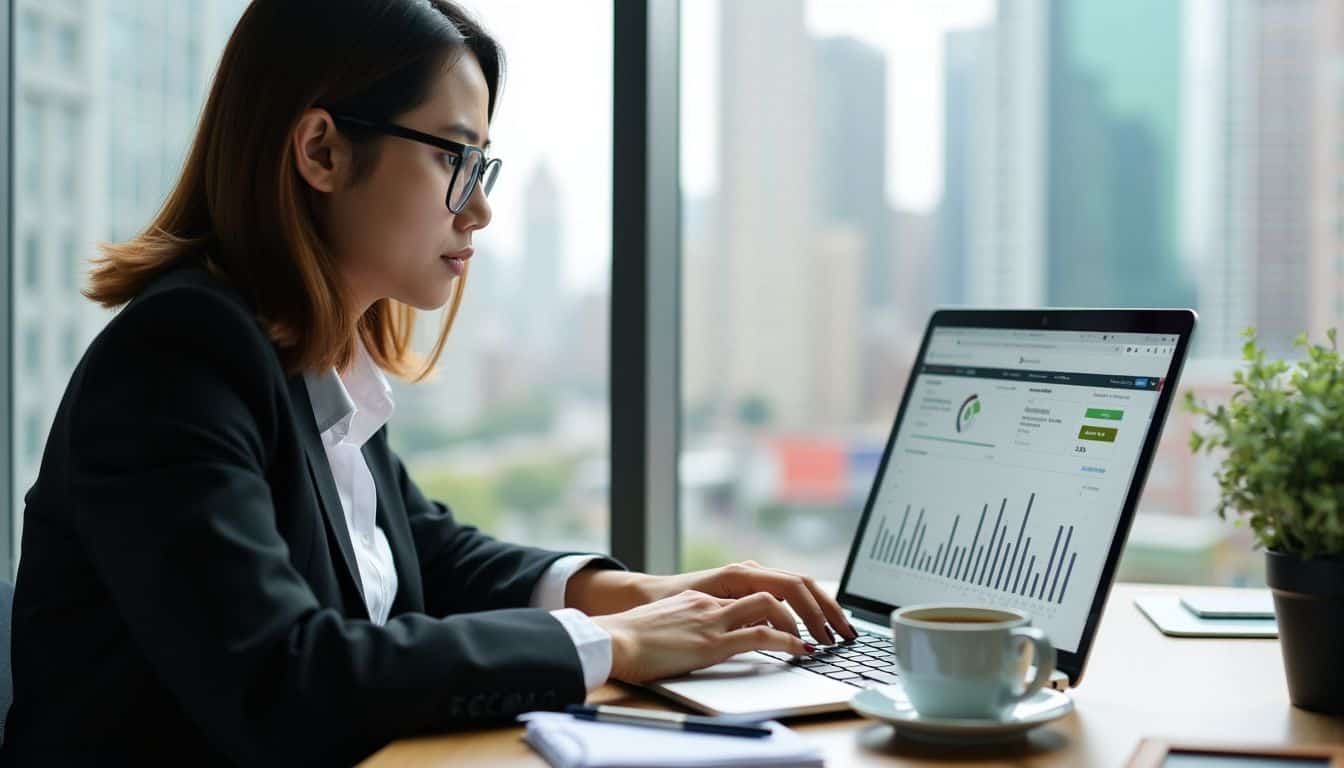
752	683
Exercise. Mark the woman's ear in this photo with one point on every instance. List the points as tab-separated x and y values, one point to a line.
321	153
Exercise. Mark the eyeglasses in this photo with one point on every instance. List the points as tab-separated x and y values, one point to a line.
470	165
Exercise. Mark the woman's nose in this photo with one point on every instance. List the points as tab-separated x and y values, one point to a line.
477	214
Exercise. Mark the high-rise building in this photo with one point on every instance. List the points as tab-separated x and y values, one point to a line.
704	308
851	195
852	141
993	229
1282	39
541	289
1113	112
1327	211
107	95
961	50
1262	207
1217	207
767	204
767	258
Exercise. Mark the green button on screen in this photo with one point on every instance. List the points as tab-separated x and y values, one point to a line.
1104	413
1099	434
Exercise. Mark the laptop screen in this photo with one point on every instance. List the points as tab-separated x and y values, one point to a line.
1008	476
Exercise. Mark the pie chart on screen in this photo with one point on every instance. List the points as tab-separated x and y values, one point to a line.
970	408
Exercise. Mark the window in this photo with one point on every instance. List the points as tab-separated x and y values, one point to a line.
30	140
32	437
32	261
67	46
70	262
32	351
847	167
70	340
512	431
29	39
86	149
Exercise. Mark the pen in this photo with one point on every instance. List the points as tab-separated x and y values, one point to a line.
670	720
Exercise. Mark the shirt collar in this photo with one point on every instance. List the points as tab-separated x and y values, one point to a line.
350	407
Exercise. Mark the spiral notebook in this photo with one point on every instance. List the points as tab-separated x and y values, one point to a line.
567	742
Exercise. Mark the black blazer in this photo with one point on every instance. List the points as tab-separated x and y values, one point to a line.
187	589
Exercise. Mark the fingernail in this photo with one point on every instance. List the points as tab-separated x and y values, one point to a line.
852	631
830	636
810	647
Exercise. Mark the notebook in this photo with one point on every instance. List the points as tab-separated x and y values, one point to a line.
567	742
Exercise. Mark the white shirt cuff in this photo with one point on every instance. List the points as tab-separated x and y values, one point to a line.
549	593
593	644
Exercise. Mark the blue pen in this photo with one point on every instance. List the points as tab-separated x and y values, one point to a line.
670	720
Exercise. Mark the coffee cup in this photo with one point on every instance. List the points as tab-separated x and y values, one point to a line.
967	661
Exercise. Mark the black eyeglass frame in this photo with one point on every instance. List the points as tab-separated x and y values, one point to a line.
487	168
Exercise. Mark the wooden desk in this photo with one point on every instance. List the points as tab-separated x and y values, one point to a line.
1138	683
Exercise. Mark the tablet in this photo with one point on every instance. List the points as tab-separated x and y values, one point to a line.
1230	604
1174	619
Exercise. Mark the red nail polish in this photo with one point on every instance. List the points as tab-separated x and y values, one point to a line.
810	647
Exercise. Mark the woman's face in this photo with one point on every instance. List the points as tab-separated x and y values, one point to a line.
392	232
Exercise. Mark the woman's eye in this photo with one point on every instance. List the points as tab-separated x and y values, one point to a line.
449	159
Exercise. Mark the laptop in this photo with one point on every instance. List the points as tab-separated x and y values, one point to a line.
1010	478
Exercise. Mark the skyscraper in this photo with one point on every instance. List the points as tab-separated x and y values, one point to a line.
1113	129
1262	214
852	142
783	277
961	49
1284	90
543	237
766	262
993	228
1217	207
1327	212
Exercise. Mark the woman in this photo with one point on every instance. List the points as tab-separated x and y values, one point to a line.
223	561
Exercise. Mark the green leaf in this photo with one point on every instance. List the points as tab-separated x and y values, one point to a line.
1281	439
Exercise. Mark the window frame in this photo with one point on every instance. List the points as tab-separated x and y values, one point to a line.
645	367
8	545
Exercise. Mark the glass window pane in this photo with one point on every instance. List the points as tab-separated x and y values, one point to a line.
847	167
512	431
71	132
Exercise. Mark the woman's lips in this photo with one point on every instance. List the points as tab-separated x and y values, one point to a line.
464	254
457	261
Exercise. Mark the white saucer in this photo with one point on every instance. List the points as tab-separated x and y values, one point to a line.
889	704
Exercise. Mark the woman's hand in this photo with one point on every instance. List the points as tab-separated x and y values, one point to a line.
692	630
813	605
601	592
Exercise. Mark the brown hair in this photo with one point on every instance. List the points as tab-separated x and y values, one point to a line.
241	204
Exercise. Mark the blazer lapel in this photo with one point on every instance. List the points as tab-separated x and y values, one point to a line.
320	471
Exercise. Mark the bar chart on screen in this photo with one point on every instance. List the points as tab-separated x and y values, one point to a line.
996	535
986	556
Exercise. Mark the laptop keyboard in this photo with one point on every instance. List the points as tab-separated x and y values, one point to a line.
862	662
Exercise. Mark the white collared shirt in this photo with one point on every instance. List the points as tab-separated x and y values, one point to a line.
350	408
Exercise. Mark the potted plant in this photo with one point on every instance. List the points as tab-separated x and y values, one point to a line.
1281	438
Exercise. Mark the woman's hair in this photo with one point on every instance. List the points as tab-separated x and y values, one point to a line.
241	203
